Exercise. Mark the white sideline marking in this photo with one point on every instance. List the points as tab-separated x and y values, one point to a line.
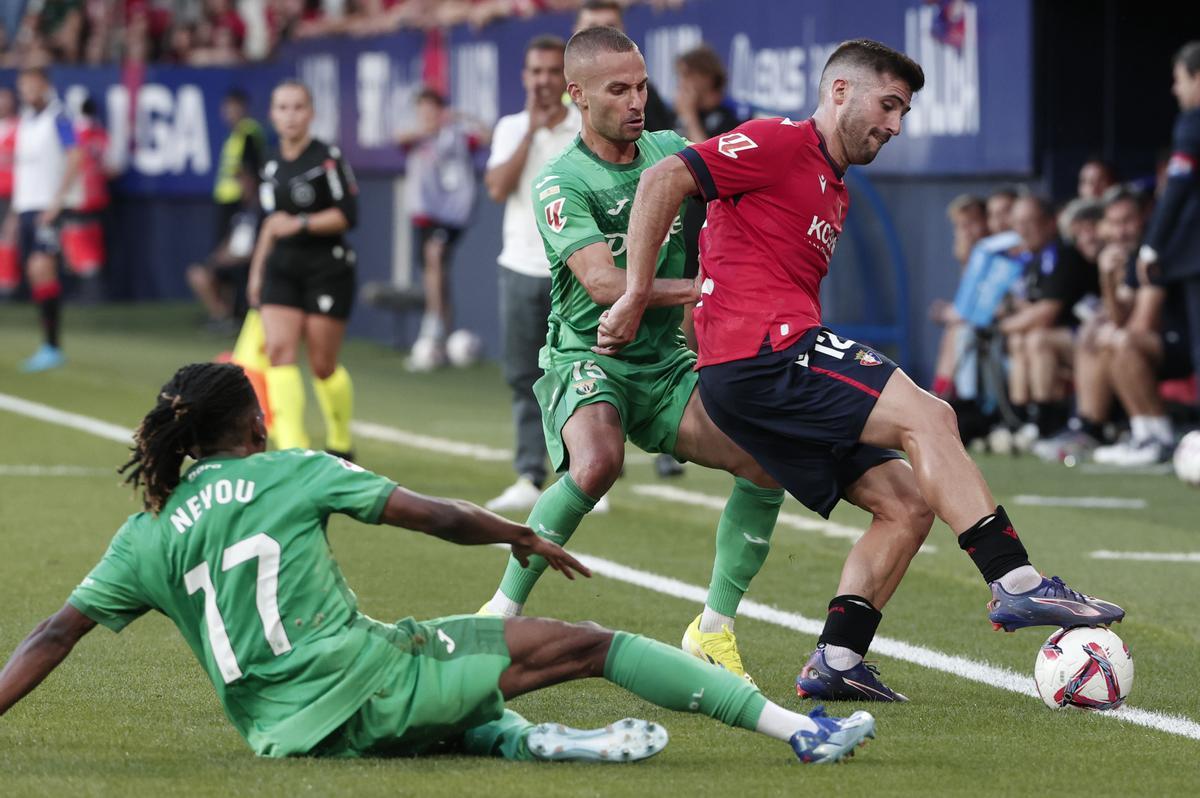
1147	556
54	471
933	659
962	667
1099	502
101	429
829	529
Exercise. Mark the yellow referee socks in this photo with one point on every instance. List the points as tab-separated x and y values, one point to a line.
335	395
285	390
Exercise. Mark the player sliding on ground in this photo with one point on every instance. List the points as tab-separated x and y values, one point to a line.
234	552
591	403
821	413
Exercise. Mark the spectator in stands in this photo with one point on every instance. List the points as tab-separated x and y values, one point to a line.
1079	226
59	24
1040	330
522	143
608	13
220	281
989	275
1096	176
1151	346
440	198
47	161
1171	252
10	264
968	218
1120	230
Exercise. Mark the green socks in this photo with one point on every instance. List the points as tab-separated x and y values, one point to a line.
743	541
674	680
555	517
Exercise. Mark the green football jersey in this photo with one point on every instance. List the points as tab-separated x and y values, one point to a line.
580	199
239	561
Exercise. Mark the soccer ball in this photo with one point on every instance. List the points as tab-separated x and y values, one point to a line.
463	348
1085	668
1187	459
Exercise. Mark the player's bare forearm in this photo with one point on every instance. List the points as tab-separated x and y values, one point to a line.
40	653
661	190
594	268
468	524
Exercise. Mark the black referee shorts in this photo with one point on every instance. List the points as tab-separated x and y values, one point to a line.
318	281
799	412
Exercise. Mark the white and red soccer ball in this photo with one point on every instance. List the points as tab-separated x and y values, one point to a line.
1084	668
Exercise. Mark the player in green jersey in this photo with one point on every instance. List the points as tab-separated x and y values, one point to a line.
591	402
234	552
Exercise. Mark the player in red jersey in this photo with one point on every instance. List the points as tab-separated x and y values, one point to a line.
822	414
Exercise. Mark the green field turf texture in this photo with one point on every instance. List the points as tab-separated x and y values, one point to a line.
134	715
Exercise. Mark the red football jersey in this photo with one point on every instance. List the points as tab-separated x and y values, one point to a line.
776	208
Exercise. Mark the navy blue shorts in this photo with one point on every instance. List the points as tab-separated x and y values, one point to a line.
32	236
800	412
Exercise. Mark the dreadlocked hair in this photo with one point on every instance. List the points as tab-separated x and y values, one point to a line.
195	410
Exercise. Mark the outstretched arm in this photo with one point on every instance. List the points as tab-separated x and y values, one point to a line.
661	190
47	645
470	525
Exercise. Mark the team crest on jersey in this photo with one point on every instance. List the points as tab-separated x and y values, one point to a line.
584	387
555	219
866	358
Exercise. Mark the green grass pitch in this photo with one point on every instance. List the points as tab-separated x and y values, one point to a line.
134	715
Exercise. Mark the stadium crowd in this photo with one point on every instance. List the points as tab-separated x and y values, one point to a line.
222	32
1064	332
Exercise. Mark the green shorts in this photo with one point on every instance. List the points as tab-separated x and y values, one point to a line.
650	398
446	680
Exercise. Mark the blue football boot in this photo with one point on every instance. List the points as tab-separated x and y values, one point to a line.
859	683
836	738
1051	603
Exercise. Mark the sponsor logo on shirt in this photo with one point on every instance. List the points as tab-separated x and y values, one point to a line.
1180	165
731	144
821	179
620	205
824	233
555	219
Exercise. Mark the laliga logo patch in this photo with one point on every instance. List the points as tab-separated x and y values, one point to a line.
554	215
866	358
584	387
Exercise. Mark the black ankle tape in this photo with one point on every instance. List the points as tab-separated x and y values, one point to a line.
994	546
851	623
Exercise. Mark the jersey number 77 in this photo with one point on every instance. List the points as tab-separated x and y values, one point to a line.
266	550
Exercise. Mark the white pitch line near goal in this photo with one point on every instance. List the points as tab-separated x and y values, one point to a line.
1147	556
920	655
1088	502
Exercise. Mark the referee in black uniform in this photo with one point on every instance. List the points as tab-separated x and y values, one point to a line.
302	276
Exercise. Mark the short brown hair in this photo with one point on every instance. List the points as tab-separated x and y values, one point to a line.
545	41
703	60
879	58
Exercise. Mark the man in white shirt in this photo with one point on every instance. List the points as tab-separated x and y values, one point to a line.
521	146
46	163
